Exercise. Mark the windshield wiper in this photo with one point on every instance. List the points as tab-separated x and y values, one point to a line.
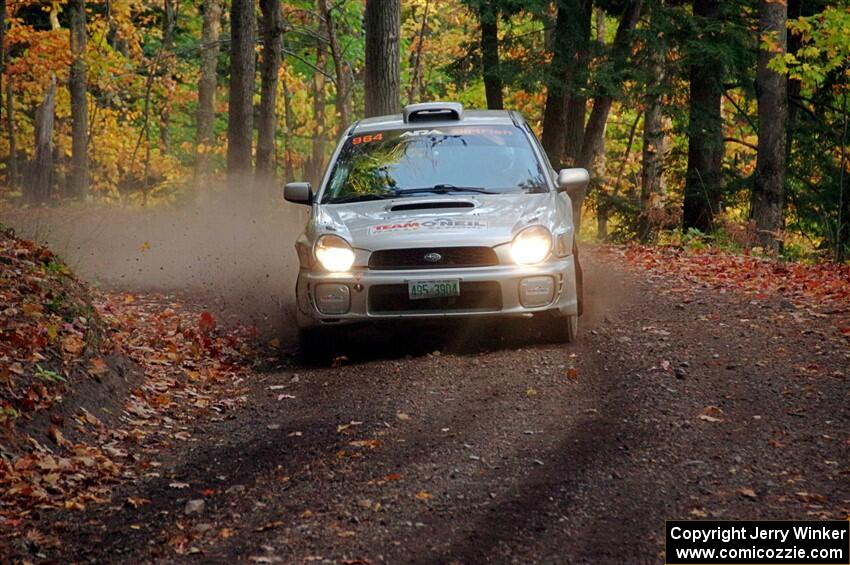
362	198
446	189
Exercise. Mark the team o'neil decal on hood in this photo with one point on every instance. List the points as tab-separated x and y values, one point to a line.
435	224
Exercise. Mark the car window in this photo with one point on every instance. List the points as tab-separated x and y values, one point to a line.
399	163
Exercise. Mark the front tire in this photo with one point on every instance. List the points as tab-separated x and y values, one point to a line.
566	329
579	280
315	344
562	329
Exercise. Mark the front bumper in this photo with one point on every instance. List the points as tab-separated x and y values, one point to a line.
508	279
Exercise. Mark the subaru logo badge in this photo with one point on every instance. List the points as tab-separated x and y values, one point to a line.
433	257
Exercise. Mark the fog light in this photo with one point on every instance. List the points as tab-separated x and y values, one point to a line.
333	298
536	291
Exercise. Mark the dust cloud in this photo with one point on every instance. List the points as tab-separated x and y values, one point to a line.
231	252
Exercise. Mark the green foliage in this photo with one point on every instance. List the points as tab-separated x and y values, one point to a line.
825	48
49	375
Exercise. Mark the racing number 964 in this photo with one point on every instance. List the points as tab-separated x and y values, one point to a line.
367	138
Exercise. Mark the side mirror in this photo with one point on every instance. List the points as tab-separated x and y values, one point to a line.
298	193
573	181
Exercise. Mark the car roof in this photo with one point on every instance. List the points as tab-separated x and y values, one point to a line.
468	117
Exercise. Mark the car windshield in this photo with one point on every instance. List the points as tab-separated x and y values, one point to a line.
401	163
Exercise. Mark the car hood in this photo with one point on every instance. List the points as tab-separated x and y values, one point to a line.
449	220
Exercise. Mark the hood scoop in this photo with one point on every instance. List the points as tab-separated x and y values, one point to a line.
432	205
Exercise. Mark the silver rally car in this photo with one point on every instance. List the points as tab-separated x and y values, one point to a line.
439	213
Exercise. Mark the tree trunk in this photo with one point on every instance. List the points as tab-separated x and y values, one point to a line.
606	203
79	111
381	73
577	104
593	144
169	23
594	136
413	92
269	67
317	158
288	170
12	165
772	91
574	128
488	16
341	68
8	108
557	93
207	87
705	136
240	117
38	188
2	52
651	175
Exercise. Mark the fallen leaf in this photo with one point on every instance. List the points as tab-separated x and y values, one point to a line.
136	502
748	493
423	495
269	526
711	414
370	443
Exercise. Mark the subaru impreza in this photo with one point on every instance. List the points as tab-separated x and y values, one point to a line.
439	213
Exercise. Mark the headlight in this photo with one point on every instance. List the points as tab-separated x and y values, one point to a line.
334	253
531	245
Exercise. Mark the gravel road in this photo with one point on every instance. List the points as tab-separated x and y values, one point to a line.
485	445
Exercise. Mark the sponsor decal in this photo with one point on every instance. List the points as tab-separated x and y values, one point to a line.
444	224
456	131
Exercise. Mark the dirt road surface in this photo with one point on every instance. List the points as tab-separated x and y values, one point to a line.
483	445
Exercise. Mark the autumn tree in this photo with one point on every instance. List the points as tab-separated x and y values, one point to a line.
651	176
207	82
12	161
703	183
571	30
240	117
272	27
772	91
79	109
38	187
593	143
169	26
342	69
381	80
488	16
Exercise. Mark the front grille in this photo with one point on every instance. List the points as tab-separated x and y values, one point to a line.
450	258
474	297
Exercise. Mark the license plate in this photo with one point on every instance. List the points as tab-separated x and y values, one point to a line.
433	289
